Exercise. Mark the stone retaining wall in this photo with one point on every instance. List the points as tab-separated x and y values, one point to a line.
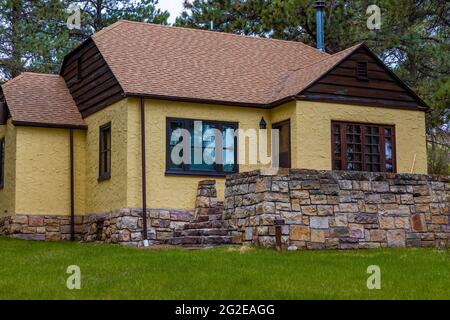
344	210
123	226
38	227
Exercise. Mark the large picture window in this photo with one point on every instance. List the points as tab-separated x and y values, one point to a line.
2	162
363	147
105	152
201	144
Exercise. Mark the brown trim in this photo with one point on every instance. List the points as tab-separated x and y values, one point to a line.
143	172
380	103
329	99
48	125
198	173
281	123
72	189
106	175
2	162
198	100
203	173
382	145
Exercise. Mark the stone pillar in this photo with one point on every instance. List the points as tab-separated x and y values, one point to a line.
206	201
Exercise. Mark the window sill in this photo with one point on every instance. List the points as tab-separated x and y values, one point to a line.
197	174
105	177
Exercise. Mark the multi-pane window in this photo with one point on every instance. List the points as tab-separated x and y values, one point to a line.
2	162
105	152
201	139
363	147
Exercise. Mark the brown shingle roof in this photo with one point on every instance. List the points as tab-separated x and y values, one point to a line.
41	99
166	61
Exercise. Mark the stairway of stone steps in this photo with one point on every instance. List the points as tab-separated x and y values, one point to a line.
205	231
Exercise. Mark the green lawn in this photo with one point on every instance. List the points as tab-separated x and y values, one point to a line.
37	270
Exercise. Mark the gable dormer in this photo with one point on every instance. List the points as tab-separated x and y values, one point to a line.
90	80
362	79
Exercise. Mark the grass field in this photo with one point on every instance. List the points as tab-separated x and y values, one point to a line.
37	270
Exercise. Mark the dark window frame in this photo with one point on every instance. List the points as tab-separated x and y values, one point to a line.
282	123
2	162
362	70
382	146
203	173
104	173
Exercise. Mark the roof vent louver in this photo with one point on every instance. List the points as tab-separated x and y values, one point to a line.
361	71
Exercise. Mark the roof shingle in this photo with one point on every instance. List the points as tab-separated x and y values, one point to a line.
149	59
41	99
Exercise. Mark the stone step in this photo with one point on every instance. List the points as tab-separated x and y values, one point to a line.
202	232
208	217
203	240
211	224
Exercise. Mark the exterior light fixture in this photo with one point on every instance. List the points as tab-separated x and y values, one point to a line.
263	123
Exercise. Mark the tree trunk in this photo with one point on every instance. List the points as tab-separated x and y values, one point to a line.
16	54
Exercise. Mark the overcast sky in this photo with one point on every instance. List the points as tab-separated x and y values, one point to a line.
175	7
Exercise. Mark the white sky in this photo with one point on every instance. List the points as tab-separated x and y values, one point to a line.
175	7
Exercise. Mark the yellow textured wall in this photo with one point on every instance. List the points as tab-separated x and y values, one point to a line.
314	133
107	195
7	193
174	192
43	171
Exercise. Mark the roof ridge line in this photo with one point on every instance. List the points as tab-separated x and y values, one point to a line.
24	73
214	32
350	49
108	28
7	83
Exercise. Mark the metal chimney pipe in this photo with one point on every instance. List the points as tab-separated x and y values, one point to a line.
320	5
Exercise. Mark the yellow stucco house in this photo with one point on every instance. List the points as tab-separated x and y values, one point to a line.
96	138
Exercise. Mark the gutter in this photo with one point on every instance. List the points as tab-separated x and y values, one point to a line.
72	189
144	175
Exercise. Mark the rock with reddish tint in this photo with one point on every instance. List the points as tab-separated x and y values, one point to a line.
418	223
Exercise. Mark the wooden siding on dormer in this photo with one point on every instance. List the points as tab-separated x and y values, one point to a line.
3	108
342	85
91	82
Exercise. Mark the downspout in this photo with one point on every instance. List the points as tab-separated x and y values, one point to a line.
320	33
144	176
72	191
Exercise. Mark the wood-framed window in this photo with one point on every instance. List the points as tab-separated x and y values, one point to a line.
2	162
104	165
202	140
363	147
